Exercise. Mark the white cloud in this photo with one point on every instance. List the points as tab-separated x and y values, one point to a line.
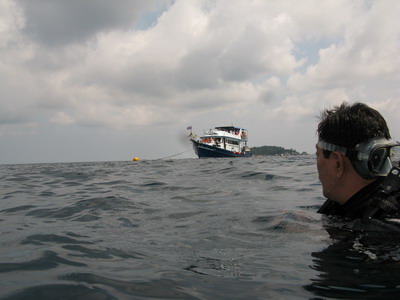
11	22
307	107
256	61
368	50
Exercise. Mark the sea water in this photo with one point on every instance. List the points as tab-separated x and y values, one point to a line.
183	229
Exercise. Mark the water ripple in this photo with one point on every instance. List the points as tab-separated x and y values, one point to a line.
182	229
49	260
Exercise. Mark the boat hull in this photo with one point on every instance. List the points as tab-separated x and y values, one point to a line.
204	150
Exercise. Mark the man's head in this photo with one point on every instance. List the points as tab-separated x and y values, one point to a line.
340	131
348	125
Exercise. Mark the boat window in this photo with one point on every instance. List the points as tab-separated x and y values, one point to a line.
232	142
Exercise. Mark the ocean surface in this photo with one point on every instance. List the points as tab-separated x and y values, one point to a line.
183	229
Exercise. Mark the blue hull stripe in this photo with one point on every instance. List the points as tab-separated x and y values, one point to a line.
204	150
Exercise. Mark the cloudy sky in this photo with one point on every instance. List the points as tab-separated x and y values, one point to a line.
102	80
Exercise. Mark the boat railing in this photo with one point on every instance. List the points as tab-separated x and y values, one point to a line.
225	133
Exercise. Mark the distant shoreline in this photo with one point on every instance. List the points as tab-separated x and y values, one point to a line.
274	150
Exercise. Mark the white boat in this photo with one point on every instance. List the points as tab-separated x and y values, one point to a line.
223	141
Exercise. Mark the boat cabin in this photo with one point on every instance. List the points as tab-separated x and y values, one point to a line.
230	138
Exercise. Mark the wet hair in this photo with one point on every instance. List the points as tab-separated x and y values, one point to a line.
348	125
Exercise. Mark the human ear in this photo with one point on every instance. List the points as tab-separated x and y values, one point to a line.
338	161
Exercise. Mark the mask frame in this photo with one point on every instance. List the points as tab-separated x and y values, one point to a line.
370	159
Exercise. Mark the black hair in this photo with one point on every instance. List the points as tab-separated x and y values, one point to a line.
348	125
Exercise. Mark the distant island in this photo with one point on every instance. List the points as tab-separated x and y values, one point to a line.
274	150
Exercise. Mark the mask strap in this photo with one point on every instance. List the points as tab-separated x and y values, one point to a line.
332	147
352	153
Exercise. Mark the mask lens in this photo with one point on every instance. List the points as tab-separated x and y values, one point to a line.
377	159
395	154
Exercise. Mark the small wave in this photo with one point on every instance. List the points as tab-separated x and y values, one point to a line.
18	208
83	210
152	289
153	184
185	214
287	222
104	253
260	176
215	267
48	260
40	239
61	291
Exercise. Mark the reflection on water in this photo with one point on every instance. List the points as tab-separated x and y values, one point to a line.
358	264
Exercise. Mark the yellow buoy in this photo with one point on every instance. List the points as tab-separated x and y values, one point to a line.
135	158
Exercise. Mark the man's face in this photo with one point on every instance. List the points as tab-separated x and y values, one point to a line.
325	173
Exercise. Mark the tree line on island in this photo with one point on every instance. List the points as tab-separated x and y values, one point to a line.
274	150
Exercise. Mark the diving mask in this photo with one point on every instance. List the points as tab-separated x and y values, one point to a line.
370	159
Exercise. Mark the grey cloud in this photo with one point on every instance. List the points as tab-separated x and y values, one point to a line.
237	60
144	82
16	102
147	79
60	22
244	58
198	71
267	97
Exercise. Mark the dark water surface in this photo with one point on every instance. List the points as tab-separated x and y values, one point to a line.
183	229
